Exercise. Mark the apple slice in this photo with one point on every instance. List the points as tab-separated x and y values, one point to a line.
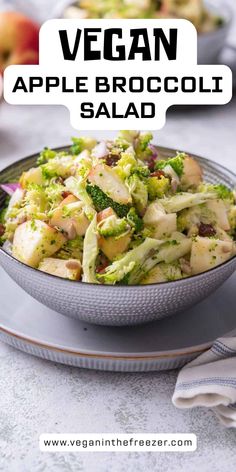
110	183
207	253
34	240
32	176
70	269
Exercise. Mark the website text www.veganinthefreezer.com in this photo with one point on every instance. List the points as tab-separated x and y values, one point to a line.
118	442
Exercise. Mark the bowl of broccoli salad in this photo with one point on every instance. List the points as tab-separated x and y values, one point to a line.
119	212
114	212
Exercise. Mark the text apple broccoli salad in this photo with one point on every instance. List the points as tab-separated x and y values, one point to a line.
114	212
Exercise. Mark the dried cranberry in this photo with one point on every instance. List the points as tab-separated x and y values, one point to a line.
65	194
152	162
206	230
103	263
112	159
158	173
2	229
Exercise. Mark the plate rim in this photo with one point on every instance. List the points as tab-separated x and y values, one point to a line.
154	355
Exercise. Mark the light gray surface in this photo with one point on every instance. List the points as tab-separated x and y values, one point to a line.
37	396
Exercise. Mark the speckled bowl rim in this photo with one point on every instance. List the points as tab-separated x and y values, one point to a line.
125	287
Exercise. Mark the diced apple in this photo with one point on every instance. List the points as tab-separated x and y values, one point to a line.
32	176
192	173
161	224
162	273
219	209
67	269
112	247
34	240
70	218
165	226
207	253
110	183
102	215
69	199
15	200
153	213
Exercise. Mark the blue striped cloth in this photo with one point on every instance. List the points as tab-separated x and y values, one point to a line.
210	381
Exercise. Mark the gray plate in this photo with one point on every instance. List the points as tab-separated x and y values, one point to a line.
166	344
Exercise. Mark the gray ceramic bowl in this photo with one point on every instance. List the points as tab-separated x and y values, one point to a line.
117	305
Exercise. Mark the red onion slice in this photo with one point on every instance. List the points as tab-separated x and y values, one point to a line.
10	188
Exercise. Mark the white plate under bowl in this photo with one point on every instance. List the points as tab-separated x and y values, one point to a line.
165	344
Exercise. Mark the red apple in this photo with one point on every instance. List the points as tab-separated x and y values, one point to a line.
19	40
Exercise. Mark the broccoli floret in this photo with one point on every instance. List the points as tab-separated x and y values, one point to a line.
46	155
36	199
79	144
54	193
223	192
134	220
177	163
113	227
138	190
142	171
101	201
126	164
158	187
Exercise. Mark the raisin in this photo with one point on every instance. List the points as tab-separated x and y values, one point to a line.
112	159
206	230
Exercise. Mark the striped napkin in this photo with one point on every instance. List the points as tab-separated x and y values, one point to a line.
210	381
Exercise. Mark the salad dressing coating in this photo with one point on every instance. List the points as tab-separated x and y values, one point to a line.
115	212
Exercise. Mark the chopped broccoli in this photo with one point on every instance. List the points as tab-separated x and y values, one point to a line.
59	166
46	155
36	199
138	191
141	171
113	227
223	192
158	187
132	259
79	144
101	201
177	163
134	220
54	193
126	164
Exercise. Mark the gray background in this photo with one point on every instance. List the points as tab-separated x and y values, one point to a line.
38	396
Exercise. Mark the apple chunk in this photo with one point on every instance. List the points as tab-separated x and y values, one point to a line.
110	183
70	269
34	240
207	253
